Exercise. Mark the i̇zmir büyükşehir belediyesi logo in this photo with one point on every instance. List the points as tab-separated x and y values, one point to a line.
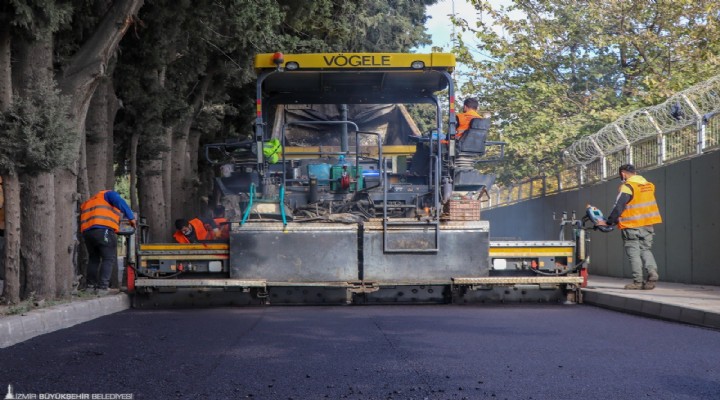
10	394
66	396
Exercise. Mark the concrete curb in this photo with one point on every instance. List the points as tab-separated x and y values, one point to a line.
679	302
653	308
19	328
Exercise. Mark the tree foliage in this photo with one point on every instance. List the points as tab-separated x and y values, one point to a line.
556	70
184	67
36	18
38	135
354	25
190	40
177	45
424	116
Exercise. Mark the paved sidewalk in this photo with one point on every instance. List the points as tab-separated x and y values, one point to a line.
691	304
19	328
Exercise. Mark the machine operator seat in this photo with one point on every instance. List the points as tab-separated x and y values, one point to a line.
471	145
473	140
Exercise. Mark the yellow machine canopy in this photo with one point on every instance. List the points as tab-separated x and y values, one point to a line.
352	78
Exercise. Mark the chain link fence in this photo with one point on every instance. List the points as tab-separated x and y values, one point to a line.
686	125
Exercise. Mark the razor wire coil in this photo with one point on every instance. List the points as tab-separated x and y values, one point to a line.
681	110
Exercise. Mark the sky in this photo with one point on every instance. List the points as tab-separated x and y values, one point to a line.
440	27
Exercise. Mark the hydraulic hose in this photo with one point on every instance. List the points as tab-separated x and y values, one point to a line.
282	204
249	206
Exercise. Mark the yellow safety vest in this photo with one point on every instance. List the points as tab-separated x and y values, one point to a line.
642	209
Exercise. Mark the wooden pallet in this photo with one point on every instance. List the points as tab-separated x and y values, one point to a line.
462	210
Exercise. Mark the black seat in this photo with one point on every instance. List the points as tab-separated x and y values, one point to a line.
473	140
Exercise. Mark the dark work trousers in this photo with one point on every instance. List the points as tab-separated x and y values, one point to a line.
101	244
638	248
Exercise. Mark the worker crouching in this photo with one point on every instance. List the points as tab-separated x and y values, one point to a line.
196	231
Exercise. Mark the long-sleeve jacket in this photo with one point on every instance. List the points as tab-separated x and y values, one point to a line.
103	210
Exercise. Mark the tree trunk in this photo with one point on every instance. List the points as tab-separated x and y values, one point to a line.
39	232
99	137
83	190
10	186
5	69
91	60
84	73
200	190
113	105
79	81
66	229
167	183
38	235
181	194
184	157
83	187
11	194
165	158
96	142
133	171
66	196
152	200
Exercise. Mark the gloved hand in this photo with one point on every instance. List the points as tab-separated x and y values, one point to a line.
217	233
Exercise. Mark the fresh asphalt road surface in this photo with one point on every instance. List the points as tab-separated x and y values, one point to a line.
371	352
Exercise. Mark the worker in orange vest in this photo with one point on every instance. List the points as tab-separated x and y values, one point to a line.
470	106
463	119
196	230
635	213
99	224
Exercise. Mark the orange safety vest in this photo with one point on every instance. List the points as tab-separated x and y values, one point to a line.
642	209
97	211
464	122
201	233
224	228
180	238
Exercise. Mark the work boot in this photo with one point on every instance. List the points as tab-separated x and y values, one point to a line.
649	285
86	291
653	276
634	286
107	292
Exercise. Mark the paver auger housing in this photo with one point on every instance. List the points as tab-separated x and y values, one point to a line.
338	197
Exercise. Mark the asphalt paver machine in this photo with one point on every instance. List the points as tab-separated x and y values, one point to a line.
338	198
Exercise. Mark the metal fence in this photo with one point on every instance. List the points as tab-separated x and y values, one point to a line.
686	125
